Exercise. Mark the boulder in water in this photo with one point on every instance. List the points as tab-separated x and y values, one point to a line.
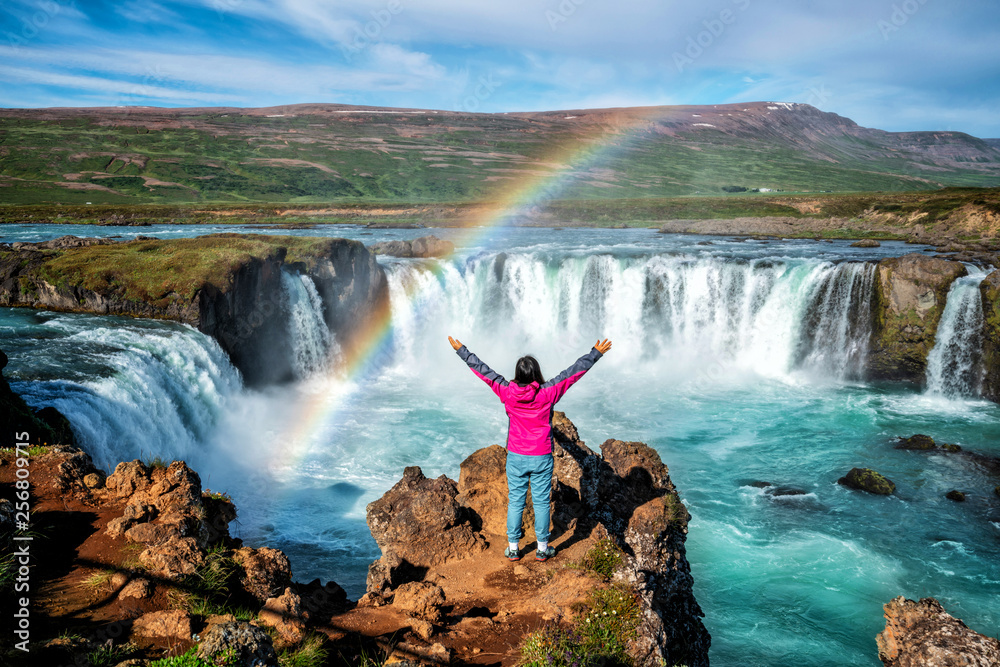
866	243
866	479
923	634
955	495
918	442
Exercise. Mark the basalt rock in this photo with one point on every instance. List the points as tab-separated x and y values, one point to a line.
923	634
919	442
910	295
284	614
266	571
866	479
989	293
165	511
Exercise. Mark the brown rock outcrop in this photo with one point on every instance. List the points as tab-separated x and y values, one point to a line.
923	634
164	510
284	614
624	493
419	598
173	623
266	571
419	523
910	294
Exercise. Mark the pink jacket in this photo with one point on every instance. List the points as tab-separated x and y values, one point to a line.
530	408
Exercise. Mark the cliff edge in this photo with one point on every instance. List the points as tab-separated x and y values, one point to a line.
228	286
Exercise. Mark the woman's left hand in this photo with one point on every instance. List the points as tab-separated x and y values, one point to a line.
454	343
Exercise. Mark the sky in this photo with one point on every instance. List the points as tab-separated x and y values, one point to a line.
897	65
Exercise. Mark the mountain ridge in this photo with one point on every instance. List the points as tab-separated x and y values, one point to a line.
333	152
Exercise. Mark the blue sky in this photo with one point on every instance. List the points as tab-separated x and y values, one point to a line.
891	64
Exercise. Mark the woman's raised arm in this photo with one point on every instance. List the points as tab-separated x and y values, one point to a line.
479	367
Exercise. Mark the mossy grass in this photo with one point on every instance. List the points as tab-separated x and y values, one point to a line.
98	580
310	652
160	272
190	659
599	635
33	450
603	558
108	656
209	591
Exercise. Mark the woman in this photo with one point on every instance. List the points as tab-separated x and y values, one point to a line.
529	402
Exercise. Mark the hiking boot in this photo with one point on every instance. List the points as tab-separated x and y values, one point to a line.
512	555
545	555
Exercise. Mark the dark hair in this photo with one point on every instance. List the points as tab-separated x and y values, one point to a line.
528	371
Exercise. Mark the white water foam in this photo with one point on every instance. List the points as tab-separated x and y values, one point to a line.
311	350
954	367
682	315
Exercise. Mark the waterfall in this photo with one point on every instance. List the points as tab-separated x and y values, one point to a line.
130	388
309	333
769	317
954	366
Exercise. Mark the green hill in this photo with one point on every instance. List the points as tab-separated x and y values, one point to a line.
333	153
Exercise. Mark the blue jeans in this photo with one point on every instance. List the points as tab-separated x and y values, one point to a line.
521	471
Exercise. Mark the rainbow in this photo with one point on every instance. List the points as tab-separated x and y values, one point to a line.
518	199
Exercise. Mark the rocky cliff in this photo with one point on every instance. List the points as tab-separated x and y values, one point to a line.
989	291
229	286
909	299
622	498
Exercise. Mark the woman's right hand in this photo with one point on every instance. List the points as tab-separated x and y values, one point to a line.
457	345
603	346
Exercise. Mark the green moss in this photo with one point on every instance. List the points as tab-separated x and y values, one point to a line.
160	272
866	479
190	659
918	441
598	636
603	558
